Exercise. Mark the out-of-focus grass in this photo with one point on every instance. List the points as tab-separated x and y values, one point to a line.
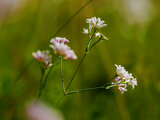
134	44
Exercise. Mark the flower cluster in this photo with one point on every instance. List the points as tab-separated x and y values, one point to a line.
42	57
59	46
95	24
123	79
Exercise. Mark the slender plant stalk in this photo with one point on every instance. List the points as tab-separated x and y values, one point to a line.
47	74
111	79
43	80
85	54
84	90
62	76
94	88
95	43
76	71
89	42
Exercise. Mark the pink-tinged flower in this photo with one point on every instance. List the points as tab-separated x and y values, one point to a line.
42	57
123	79
59	46
59	40
122	88
39	111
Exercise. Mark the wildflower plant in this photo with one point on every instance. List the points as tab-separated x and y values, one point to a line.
59	46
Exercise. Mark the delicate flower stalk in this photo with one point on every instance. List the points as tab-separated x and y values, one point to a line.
44	78
62	77
59	46
94	24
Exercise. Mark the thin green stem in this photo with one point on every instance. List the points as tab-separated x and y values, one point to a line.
43	80
47	74
89	42
76	71
84	90
111	79
86	52
95	43
110	86
62	76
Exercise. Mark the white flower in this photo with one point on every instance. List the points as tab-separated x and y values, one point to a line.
85	31
98	34
95	23
133	82
120	71
124	78
42	57
59	46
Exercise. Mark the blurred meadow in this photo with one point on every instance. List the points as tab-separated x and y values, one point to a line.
133	29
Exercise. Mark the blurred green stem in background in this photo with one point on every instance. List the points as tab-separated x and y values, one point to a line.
41	83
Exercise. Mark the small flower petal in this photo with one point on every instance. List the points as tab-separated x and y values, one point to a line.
98	34
85	31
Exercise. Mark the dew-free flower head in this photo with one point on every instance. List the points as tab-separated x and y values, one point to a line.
124	78
59	46
95	23
42	57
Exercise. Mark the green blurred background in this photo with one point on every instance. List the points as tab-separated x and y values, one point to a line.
133	31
